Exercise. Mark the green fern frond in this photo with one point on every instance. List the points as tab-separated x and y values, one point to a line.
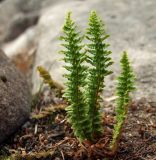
124	87
98	58
74	58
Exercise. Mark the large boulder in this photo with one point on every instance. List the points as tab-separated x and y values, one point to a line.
18	15
19	24
15	98
131	25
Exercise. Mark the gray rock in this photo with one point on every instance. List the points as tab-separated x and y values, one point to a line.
15	98
18	15
24	44
131	25
1	1
19	24
10	17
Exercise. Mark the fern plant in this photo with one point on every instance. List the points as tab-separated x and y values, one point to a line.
85	83
74	58
124	87
99	60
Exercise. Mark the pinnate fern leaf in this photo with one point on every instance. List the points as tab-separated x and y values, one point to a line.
98	58
74	58
124	87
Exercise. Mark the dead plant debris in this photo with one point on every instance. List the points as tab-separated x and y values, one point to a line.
47	136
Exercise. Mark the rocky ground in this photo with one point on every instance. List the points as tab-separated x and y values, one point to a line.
47	135
29	34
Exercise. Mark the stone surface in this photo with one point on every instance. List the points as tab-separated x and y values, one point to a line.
18	19
131	25
18	15
19	24
15	98
24	44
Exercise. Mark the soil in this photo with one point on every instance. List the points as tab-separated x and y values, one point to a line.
47	135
